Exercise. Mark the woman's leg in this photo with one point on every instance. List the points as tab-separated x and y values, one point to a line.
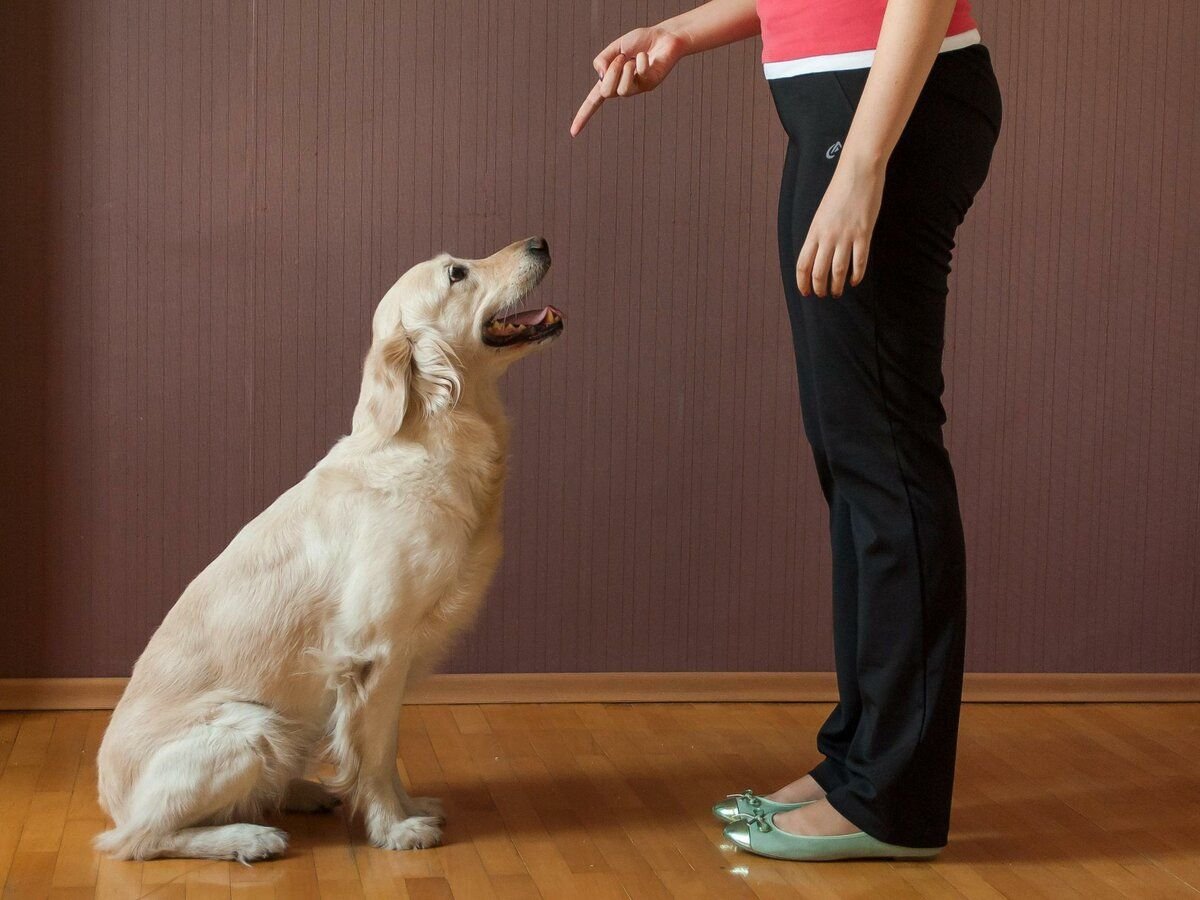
838	731
873	360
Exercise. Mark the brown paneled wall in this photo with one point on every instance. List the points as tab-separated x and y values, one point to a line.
202	202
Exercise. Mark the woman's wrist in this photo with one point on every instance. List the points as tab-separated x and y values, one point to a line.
862	160
683	43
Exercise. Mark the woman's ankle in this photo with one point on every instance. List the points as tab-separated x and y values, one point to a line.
801	790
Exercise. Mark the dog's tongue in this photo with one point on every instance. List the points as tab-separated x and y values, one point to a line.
529	317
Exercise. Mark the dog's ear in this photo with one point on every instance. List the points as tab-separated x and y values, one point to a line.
410	374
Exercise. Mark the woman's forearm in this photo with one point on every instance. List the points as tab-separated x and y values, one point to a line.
715	24
912	34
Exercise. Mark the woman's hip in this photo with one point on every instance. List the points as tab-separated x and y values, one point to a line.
942	156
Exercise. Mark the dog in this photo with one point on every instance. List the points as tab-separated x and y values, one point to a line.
300	638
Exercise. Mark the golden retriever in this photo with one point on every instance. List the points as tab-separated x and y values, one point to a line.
302	635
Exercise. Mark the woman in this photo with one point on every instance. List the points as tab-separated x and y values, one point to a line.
891	110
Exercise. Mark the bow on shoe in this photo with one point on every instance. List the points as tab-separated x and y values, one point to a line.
749	796
759	820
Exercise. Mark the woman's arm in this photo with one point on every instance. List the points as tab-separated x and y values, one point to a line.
715	24
840	236
639	61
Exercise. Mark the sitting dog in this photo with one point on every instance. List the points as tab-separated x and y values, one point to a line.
302	635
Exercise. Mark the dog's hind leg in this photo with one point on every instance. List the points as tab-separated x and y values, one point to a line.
243	842
236	761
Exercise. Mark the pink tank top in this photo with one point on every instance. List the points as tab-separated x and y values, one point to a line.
802	36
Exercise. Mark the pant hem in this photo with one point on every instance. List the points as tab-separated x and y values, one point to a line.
858	814
827	776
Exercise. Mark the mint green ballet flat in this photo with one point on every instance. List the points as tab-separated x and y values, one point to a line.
759	834
748	803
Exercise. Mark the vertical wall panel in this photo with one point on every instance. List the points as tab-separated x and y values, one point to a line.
202	202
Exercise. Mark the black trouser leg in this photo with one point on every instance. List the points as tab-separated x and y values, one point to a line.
834	739
869	366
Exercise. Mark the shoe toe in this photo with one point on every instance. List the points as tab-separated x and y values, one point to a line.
739	833
726	810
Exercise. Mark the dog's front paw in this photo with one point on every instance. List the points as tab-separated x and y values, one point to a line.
428	807
413	833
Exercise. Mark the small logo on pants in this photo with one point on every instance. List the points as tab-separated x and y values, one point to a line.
834	150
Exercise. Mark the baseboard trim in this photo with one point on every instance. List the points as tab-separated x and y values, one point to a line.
60	693
673	687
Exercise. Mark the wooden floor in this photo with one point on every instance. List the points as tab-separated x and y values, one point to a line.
579	801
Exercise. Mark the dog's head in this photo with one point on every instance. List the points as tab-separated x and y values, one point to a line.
446	320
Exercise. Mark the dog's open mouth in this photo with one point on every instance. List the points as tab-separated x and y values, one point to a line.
524	327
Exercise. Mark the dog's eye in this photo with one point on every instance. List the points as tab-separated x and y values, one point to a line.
457	273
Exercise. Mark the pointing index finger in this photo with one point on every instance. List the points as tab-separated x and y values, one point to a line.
593	101
601	90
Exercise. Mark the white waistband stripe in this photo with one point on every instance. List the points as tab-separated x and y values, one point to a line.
859	59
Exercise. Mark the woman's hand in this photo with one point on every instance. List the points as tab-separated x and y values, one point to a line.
632	64
639	61
839	238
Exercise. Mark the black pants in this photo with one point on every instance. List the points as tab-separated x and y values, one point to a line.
870	367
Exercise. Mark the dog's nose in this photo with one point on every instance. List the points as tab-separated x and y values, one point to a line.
538	245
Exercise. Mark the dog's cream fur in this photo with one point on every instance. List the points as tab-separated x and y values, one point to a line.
303	634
